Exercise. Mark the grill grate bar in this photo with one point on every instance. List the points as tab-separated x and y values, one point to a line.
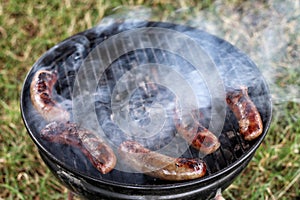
223	155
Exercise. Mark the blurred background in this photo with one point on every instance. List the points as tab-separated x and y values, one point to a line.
268	31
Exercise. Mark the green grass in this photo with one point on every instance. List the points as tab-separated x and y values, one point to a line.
29	28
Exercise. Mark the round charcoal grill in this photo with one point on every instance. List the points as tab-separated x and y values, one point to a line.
139	70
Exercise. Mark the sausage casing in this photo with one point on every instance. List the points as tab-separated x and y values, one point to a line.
249	119
161	166
41	96
196	134
96	150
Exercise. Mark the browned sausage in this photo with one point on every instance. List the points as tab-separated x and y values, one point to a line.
41	96
160	166
196	134
96	150
249	119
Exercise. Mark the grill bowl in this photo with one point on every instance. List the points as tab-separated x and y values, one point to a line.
123	185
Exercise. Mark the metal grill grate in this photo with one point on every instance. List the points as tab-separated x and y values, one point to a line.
68	57
233	146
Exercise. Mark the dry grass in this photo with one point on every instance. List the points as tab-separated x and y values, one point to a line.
269	32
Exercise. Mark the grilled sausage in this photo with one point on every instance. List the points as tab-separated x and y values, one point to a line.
41	96
196	134
250	123
159	165
100	154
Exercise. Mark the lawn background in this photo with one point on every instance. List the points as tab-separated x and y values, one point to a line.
268	31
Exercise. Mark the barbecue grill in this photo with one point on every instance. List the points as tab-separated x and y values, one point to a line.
151	63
